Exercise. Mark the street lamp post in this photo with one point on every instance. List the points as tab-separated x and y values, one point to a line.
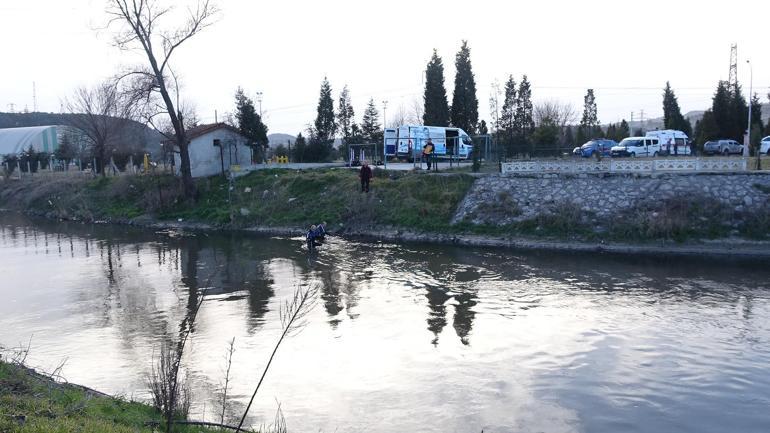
748	130
259	100
384	126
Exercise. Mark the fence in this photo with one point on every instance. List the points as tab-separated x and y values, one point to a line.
681	165
54	168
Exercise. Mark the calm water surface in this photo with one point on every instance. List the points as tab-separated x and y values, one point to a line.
403	337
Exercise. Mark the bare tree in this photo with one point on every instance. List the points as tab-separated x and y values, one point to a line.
418	111
400	117
494	107
103	115
156	82
293	314
169	389
227	379
555	112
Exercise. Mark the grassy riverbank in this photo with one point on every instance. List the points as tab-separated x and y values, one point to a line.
401	205
33	403
267	198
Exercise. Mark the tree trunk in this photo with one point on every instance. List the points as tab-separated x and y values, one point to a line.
184	170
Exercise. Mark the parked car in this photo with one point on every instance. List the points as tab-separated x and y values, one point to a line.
722	147
600	145
636	146
764	146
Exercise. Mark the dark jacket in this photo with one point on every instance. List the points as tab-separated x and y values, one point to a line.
365	173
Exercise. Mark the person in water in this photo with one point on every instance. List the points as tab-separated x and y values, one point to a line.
321	232
311	238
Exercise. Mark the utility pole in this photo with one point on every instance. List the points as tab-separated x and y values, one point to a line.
641	119
733	76
259	100
34	97
748	130
384	116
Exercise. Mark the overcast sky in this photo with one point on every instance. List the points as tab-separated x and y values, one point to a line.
626	51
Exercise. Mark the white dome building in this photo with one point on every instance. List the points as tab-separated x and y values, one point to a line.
14	141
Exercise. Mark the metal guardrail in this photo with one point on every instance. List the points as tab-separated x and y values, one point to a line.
676	165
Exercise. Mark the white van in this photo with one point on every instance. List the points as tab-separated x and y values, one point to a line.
408	140
764	146
672	142
636	146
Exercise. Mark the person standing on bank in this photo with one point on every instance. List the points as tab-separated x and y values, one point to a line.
427	152
365	174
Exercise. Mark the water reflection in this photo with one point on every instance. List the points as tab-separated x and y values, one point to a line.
538	341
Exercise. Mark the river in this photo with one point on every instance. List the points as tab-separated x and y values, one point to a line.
411	337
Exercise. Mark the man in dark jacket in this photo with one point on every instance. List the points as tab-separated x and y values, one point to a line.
311	238
365	174
320	233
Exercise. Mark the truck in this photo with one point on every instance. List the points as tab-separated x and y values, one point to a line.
672	142
407	141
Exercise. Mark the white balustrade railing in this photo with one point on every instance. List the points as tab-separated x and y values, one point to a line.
628	165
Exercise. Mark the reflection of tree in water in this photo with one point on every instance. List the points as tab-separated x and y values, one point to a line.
437	299
227	268
330	294
464	315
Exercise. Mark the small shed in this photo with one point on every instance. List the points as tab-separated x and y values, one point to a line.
215	148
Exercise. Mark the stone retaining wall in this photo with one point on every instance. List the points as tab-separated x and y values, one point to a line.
506	199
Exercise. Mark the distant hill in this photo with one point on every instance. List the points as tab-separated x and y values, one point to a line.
278	138
692	116
152	138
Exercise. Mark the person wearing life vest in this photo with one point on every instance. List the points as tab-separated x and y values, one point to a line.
311	235
320	232
427	152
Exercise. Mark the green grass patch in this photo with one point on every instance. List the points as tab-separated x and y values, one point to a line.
30	403
291	198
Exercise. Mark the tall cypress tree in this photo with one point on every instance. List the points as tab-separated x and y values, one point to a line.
739	112
325	123
436	108
756	121
672	114
524	119
250	124
506	126
707	129
465	105
589	123
371	130
624	130
346	117
299	149
721	113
